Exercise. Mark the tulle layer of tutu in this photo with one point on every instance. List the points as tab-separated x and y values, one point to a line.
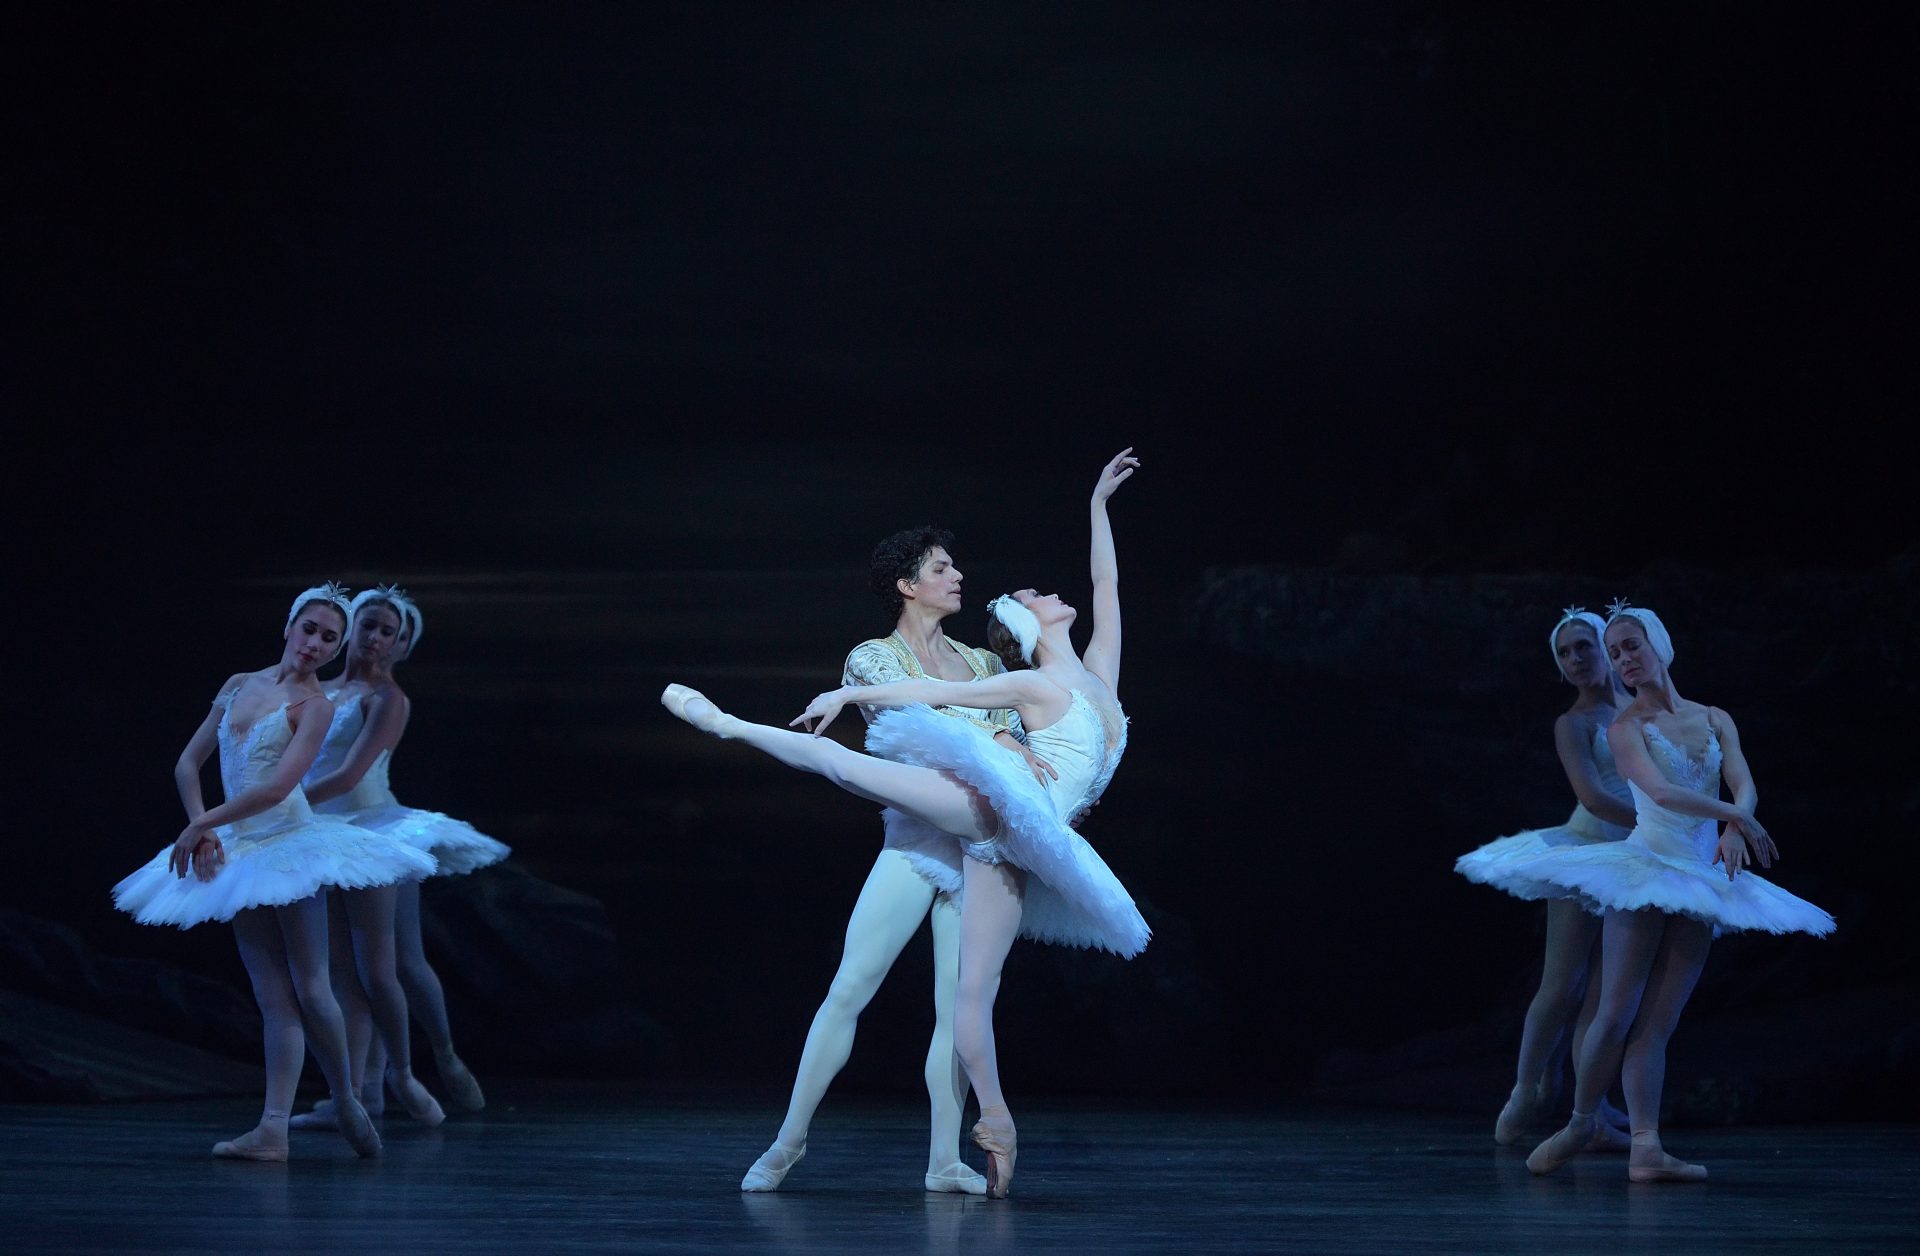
1072	897
1491	864
270	868
934	855
1626	876
455	846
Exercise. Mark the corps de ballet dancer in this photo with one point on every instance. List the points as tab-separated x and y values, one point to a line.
1025	870
1665	890
261	859
917	581
1602	812
349	780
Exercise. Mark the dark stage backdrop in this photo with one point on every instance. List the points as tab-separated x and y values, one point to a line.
619	334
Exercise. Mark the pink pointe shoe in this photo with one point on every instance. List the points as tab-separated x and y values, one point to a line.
994	1134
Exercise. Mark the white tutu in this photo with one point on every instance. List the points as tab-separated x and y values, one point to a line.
455	846
270	866
1072	897
1665	863
1493	863
279	856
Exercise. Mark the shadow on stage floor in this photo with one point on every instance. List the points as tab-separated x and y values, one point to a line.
563	1168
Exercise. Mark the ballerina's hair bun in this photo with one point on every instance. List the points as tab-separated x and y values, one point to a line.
1020	626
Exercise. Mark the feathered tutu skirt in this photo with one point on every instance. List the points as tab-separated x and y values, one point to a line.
1654	869
1492	864
455	846
290	856
1072	897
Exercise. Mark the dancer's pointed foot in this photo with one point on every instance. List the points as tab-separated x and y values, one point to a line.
1564	1145
957	1178
1649	1162
262	1142
321	1117
1512	1121
463	1093
994	1134
356	1126
414	1097
696	709
771	1168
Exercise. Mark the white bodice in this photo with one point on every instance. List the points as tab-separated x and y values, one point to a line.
1076	746
1670	832
1584	823
247	759
372	790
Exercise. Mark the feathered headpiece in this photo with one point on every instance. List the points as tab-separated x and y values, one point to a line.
1576	615
1656	632
333	593
1018	620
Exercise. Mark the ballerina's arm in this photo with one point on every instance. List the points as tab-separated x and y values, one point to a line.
387	713
1576	759
1739	779
1102	656
310	728
200	748
1039	701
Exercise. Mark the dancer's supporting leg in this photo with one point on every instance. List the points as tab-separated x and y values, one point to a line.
427	1000
354	1013
1570	937
1610	1133
285	953
885	916
989	921
370	916
1643	1071
946	1078
1649	964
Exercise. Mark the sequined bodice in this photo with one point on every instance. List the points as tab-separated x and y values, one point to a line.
1076	746
1661	828
372	789
248	758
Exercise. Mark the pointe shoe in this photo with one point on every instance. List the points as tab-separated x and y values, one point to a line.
994	1134
321	1117
463	1092
251	1146
957	1179
1563	1146
694	707
415	1098
357	1127
1512	1121
1651	1163
771	1168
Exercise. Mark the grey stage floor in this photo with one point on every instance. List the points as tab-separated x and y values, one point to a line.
570	1168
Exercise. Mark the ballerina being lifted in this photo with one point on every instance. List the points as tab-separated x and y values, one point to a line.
1026	871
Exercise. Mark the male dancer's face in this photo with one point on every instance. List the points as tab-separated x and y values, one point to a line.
937	587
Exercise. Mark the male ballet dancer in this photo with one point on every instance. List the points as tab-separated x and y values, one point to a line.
914	875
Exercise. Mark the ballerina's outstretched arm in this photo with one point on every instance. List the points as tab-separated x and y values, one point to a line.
1038	700
1102	656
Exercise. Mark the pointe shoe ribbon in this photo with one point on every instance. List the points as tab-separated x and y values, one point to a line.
994	1134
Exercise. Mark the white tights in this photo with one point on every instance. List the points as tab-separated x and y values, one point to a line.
285	953
885	916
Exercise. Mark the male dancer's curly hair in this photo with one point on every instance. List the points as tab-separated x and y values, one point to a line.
898	558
